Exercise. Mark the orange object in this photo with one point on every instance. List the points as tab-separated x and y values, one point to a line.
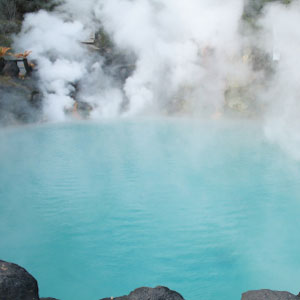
3	51
22	55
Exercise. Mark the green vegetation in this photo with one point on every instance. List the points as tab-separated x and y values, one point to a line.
15	9
254	8
12	13
103	41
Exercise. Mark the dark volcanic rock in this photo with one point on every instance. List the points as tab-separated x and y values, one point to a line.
20	100
84	107
11	68
27	67
16	283
2	64
145	293
268	295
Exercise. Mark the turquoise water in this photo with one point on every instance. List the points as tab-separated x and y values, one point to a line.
209	209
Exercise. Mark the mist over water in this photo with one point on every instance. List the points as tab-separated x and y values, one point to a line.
96	210
180	181
187	57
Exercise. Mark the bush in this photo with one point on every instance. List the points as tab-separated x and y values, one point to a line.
8	27
253	9
26	6
5	40
8	9
15	9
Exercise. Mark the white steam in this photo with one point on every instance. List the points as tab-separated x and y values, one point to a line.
283	95
169	39
55	45
186	55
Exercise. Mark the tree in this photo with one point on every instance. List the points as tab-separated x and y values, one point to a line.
26	6
8	9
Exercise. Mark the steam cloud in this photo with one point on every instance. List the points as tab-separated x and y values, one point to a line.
282	122
187	55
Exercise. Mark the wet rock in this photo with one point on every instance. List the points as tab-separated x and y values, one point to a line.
80	109
268	295
119	65
2	64
252	8
146	293
16	283
20	100
27	66
84	107
11	68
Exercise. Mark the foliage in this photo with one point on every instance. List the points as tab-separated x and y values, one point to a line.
8	9
12	13
253	9
8	27
15	9
3	51
103	41
26	6
5	40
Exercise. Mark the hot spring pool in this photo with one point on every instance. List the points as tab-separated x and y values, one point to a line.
209	209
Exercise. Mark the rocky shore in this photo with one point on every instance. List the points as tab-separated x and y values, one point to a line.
269	295
17	284
20	100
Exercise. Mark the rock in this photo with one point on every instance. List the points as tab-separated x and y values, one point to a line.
2	64
16	283
119	65
27	67
84	106
146	293
11	68
80	110
20	100
268	295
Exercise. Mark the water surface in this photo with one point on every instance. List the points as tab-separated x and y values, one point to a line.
210	209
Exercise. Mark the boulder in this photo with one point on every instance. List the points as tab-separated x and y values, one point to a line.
11	68
20	100
16	283
2	64
146	293
84	107
268	295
